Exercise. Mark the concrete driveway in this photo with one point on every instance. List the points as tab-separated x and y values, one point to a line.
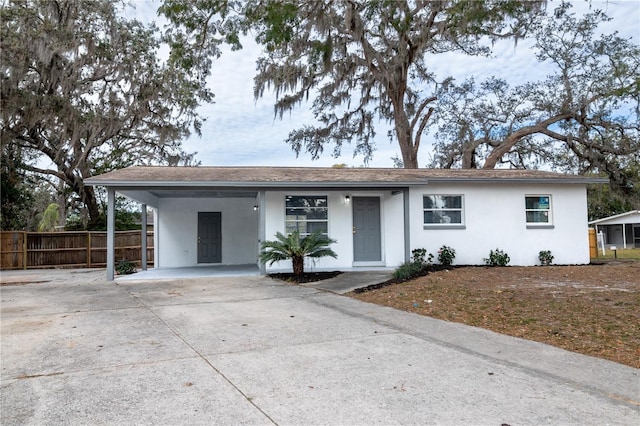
250	350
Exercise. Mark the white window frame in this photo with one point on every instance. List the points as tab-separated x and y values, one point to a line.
549	211
298	221
454	225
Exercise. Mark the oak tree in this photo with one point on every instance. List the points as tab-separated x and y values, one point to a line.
360	62
83	91
583	117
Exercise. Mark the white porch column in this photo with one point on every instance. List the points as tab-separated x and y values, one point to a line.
262	227
407	225
624	235
111	233
143	235
156	237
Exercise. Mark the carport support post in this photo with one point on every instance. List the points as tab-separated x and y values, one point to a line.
262	217
111	233
143	235
407	225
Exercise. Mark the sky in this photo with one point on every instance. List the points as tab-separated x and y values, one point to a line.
240	131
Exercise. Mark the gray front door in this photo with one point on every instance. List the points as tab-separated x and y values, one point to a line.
209	237
366	229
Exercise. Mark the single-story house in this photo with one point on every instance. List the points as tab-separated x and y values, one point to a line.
219	215
621	230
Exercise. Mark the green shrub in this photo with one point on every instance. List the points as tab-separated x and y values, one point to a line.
545	257
497	258
446	255
418	255
125	267
421	257
408	271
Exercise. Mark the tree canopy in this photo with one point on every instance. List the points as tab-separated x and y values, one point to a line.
83	91
583	117
359	62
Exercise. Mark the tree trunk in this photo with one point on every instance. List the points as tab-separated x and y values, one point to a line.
89	199
94	213
510	141
409	157
405	137
469	155
298	265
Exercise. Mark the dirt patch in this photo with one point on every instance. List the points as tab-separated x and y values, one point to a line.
22	280
58	275
590	309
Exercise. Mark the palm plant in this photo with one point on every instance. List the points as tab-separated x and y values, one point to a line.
292	247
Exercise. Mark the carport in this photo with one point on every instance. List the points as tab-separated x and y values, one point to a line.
175	232
621	229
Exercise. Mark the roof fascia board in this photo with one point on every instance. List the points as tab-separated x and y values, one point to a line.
264	185
576	180
331	184
155	188
617	216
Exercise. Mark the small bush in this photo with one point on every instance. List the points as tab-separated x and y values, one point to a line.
446	255
418	255
545	257
497	258
125	267
408	271
415	268
421	257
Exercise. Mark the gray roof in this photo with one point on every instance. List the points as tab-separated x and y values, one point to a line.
209	176
632	216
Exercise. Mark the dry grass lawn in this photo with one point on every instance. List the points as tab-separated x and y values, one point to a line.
590	309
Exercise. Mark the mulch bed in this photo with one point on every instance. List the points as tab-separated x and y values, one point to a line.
307	277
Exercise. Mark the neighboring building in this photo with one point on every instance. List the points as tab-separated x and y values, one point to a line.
219	215
621	230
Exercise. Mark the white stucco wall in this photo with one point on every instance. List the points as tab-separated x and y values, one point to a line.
177	230
495	218
340	223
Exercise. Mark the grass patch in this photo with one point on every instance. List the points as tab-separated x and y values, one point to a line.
628	253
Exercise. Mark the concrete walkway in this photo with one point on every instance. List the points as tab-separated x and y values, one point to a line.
341	284
349	281
251	350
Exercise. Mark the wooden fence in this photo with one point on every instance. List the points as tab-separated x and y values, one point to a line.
32	250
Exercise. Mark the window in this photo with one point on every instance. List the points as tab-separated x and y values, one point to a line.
306	214
442	210
538	209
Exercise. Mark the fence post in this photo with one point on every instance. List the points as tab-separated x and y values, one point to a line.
24	249
88	249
